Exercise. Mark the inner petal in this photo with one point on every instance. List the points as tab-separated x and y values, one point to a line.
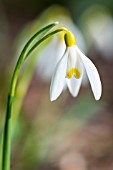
73	64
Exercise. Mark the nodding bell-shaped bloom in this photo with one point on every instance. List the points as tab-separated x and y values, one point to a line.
70	69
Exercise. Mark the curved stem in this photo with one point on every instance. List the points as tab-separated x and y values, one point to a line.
7	128
42	39
23	57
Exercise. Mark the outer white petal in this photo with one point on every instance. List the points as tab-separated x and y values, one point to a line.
58	79
74	85
93	75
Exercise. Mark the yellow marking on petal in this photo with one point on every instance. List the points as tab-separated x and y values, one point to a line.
69	39
73	72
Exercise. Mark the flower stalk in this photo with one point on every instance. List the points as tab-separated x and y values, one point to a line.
8	121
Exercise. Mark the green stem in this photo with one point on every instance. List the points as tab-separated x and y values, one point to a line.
7	136
23	57
42	39
7	128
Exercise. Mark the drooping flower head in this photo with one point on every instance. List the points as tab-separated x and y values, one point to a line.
70	69
53	49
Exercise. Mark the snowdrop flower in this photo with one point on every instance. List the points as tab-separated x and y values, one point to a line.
52	52
70	68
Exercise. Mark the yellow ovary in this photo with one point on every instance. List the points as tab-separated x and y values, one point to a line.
73	72
69	39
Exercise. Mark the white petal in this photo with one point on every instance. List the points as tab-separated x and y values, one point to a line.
93	75
74	85
72	58
58	79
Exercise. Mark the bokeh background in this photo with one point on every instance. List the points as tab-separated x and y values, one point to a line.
70	133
